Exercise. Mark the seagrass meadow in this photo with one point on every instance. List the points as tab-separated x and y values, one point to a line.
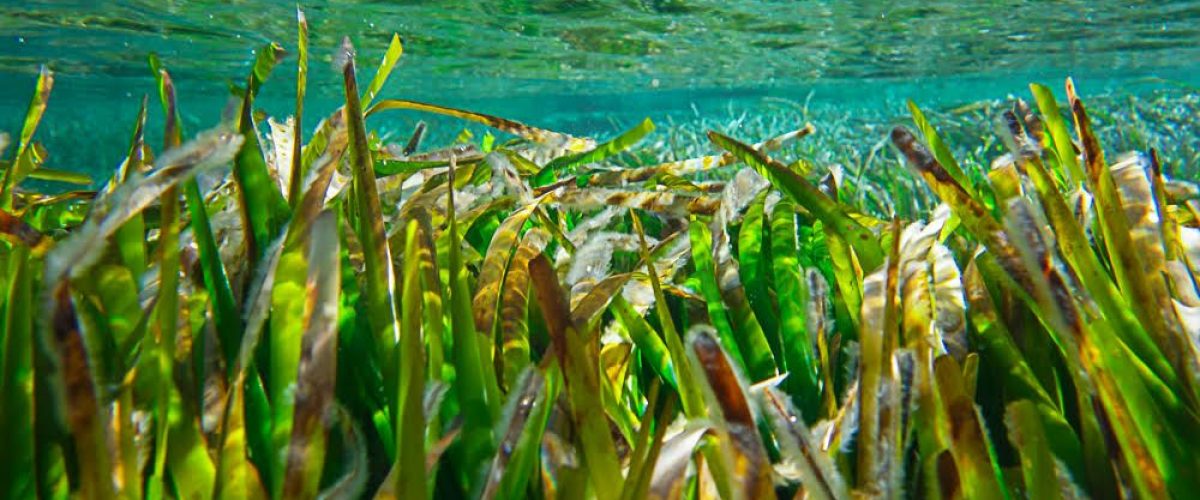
299	307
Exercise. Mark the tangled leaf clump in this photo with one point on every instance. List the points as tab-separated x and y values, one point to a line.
347	317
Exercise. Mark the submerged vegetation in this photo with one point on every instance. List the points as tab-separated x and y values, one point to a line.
348	317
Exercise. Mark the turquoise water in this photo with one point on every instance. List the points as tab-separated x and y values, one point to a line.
590	67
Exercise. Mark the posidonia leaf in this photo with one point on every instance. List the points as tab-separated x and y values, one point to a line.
1037	464
736	431
1146	293
317	363
980	474
645	447
1064	149
394	51
701	240
64	176
670	472
286	333
644	337
998	344
237	477
410	433
264	209
476	396
540	136
225	312
577	354
514	306
940	150
798	355
297	170
690	396
131	242
512	468
817	472
17	378
493	273
604	150
754	269
368	224
23	163
878	391
85	420
808	196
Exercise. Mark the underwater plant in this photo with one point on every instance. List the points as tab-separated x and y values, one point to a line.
507	318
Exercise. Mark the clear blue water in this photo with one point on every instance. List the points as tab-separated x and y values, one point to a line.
588	67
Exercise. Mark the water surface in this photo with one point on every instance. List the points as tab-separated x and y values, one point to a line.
590	66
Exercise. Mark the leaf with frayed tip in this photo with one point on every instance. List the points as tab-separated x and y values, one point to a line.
973	214
540	136
860	238
23	163
754	270
298	166
410	424
940	150
394	51
578	355
1076	248
1142	291
817	471
798	357
1064	149
17	378
514	306
1037	464
368	225
604	150
878	337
